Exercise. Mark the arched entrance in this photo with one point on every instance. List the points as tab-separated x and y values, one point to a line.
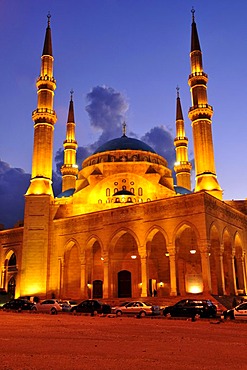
124	284
97	289
158	265
189	269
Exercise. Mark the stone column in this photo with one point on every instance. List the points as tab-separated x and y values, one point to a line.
206	275
83	277
3	277
106	283
220	276
232	275
244	273
60	276
173	275
144	292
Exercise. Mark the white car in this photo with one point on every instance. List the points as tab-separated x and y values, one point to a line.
48	306
239	312
137	308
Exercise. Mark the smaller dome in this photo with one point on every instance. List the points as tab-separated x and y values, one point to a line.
123	192
124	143
66	193
181	190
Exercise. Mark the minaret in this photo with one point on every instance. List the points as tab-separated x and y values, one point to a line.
44	118
200	115
69	169
182	165
35	279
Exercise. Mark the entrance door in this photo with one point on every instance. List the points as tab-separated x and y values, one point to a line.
11	287
124	284
152	287
97	289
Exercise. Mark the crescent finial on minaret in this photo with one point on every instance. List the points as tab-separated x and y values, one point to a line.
193	14
49	17
71	94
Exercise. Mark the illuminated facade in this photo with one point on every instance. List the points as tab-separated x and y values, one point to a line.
121	227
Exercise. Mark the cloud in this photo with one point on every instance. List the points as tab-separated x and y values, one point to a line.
161	140
13	185
106	108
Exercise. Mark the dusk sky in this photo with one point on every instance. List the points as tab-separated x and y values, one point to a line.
132	54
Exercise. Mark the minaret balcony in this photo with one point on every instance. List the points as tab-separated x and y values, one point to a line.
194	74
44	115
69	170
200	111
180	141
182	166
46	82
198	78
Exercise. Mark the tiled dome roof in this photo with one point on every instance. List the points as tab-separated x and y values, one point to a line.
124	143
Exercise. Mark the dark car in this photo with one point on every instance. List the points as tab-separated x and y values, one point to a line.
92	306
239	312
191	308
18	305
4	297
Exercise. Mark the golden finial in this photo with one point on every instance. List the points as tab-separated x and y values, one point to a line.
49	17
124	129
71	94
193	14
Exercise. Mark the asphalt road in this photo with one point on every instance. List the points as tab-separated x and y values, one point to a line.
40	341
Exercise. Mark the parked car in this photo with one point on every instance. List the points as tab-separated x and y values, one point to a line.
72	302
191	308
66	307
239	312
48	306
92	306
18	305
4	297
137	308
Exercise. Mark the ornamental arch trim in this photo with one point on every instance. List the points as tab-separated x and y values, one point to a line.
118	234
153	231
181	227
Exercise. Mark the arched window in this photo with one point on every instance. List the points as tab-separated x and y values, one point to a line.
100	201
132	190
115	190
140	192
107	192
12	260
124	187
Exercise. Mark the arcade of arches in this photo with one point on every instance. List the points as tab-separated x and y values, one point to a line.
127	270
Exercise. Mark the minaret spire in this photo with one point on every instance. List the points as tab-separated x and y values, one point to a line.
69	169
200	115
182	165
44	118
47	50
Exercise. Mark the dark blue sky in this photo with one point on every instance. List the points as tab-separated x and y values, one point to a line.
140	50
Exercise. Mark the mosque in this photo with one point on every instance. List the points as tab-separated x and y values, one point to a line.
121	227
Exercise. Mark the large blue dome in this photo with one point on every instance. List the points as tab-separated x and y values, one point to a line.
124	143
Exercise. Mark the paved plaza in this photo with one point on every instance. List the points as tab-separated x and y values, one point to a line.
41	341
